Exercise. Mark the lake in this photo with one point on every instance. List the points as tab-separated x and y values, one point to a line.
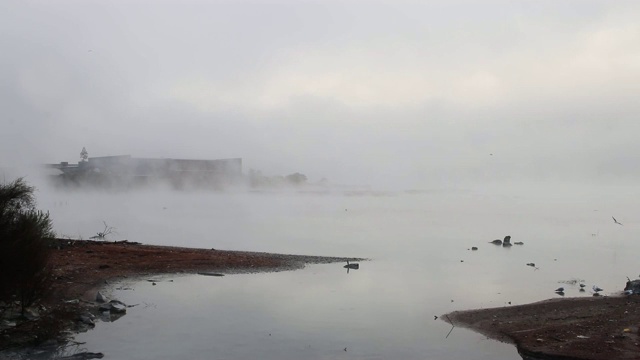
421	266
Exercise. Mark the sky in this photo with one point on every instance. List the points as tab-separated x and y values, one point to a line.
412	94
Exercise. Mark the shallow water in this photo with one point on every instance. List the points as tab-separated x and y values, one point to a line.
421	266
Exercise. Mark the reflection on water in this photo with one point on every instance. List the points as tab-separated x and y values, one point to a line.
315	313
422	266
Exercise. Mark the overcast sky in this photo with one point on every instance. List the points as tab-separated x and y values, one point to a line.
412	94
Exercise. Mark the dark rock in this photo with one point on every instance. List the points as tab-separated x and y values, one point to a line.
496	242
118	308
31	313
86	320
114	306
101	298
474	248
634	286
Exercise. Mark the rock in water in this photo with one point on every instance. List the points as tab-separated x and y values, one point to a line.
118	308
496	242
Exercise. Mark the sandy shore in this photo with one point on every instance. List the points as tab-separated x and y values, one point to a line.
81	268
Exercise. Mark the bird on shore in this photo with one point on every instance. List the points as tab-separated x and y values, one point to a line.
596	288
616	221
560	289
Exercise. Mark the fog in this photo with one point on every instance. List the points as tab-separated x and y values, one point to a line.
387	94
421	129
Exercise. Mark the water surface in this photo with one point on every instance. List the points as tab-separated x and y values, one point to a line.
421	266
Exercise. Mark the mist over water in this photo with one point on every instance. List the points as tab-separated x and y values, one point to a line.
424	128
421	265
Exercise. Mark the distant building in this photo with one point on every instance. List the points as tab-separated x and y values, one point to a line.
127	171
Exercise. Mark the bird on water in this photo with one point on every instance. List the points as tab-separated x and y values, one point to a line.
352	266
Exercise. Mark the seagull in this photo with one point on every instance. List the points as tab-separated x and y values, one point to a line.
596	288
616	221
560	289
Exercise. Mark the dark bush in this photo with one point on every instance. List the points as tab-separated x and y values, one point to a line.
25	233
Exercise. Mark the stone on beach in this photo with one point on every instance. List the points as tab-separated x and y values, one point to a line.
101	298
633	286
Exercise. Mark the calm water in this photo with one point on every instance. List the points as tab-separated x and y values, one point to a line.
420	267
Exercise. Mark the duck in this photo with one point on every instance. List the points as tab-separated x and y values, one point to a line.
352	266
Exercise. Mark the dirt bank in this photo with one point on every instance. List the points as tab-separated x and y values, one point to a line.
595	328
81	267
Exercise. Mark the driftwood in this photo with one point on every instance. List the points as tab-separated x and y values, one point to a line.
103	235
83	356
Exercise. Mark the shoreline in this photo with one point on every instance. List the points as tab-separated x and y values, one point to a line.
82	268
593	328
